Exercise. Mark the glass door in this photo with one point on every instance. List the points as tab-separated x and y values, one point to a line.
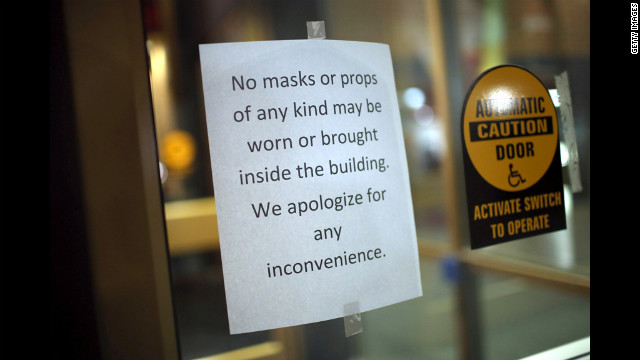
503	302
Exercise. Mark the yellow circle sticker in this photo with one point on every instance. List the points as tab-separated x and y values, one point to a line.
510	128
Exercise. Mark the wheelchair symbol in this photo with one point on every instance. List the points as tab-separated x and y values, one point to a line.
514	178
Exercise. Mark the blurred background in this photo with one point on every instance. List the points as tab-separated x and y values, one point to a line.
506	301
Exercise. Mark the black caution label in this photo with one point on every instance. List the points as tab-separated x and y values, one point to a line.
512	158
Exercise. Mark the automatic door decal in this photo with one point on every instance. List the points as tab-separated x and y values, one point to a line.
511	158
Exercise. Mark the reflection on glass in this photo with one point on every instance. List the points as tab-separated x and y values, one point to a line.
414	98
521	318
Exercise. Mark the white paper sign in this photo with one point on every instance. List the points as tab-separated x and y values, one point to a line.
311	181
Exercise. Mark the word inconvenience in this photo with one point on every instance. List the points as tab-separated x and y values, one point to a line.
274	271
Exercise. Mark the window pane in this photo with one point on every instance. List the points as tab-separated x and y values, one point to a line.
438	49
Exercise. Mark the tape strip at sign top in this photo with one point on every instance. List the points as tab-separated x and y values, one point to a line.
316	30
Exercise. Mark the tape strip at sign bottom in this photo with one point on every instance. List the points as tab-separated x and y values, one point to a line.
352	319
